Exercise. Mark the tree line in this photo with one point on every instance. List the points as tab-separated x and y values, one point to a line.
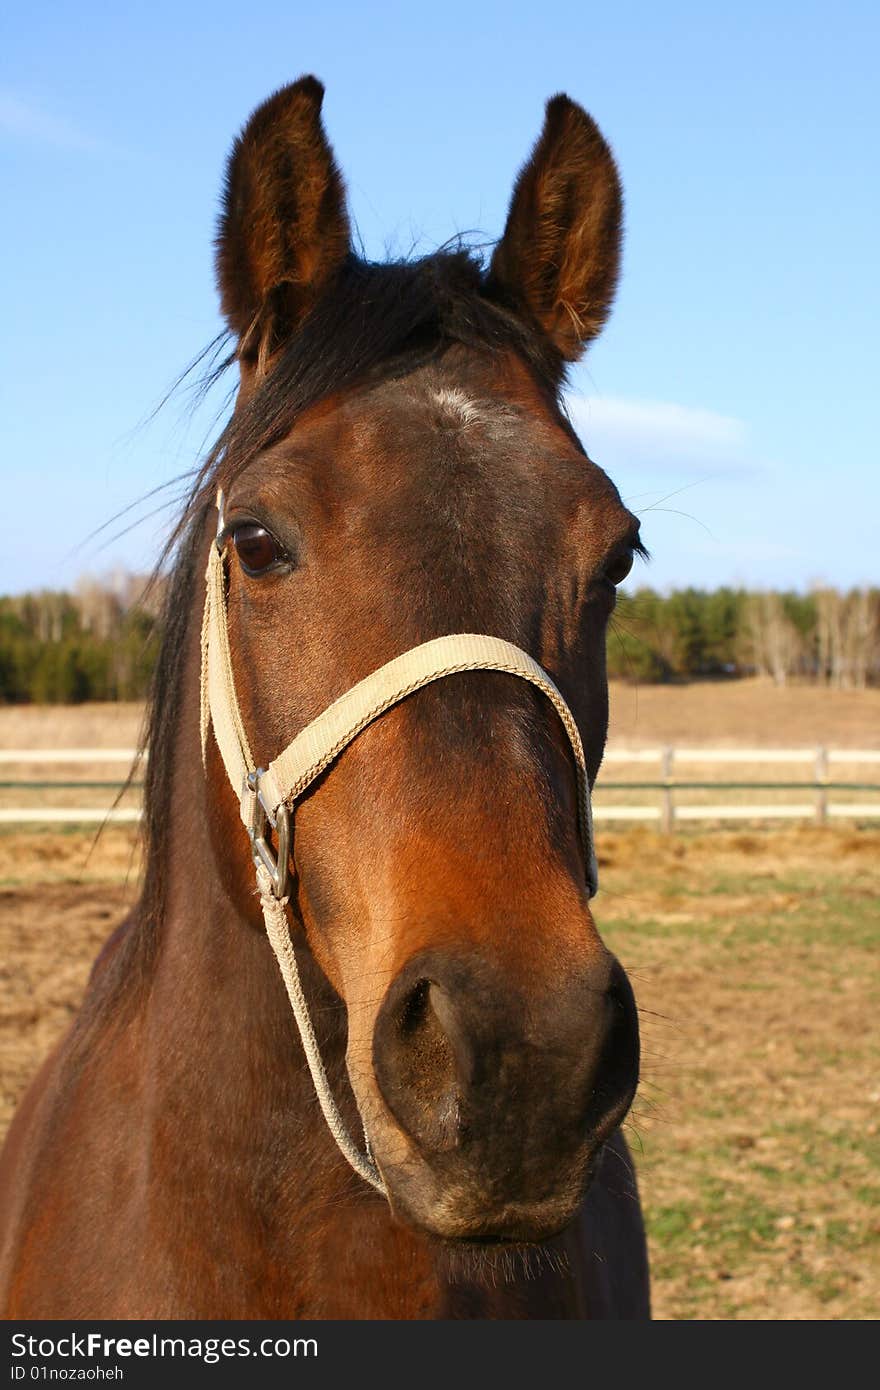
99	642
824	636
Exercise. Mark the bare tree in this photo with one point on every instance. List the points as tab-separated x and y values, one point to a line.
860	636
773	645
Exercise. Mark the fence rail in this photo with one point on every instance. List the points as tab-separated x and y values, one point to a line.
68	755
667	813
820	809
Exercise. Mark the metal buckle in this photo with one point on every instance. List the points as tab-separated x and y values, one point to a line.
276	865
221	519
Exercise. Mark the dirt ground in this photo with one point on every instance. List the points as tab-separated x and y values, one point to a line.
752	952
753	956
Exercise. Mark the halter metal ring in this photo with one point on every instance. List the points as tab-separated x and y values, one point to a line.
275	864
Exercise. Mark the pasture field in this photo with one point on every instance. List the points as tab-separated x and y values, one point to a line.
752	713
714	714
746	712
753	956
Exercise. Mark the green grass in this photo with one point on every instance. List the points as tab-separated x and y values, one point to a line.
760	1179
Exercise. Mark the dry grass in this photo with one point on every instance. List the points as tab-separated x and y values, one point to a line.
752	713
70	726
753	956
748	712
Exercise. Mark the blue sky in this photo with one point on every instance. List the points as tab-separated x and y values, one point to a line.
733	396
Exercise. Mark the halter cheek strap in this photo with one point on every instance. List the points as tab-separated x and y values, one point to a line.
266	796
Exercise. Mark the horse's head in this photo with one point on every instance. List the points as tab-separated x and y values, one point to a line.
398	469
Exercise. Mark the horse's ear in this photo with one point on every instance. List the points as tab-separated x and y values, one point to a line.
559	257
283	232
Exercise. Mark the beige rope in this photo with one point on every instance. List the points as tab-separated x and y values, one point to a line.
275	917
315	748
220	706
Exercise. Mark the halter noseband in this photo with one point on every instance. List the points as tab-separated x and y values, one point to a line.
266	796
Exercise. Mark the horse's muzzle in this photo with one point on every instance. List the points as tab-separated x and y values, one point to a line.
503	1094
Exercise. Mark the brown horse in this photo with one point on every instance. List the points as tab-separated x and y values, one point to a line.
397	467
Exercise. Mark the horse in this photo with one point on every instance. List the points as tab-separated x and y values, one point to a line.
398	468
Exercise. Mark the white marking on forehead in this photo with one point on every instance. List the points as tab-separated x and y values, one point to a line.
455	402
463	410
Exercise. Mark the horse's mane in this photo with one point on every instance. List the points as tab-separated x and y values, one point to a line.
376	322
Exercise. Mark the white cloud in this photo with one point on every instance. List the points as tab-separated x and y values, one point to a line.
660	435
25	121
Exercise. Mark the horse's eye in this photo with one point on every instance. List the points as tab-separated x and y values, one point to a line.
256	548
617	569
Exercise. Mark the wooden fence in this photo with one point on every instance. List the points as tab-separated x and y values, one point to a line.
821	788
667	808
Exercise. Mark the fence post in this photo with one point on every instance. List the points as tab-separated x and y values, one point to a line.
667	818
821	788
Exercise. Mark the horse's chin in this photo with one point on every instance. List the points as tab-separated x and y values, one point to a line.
463	1213
493	1263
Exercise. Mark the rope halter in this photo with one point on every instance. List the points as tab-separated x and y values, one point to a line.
267	795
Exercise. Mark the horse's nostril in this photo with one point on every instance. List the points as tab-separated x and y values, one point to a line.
617	1071
415	1063
412	1013
466	1061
